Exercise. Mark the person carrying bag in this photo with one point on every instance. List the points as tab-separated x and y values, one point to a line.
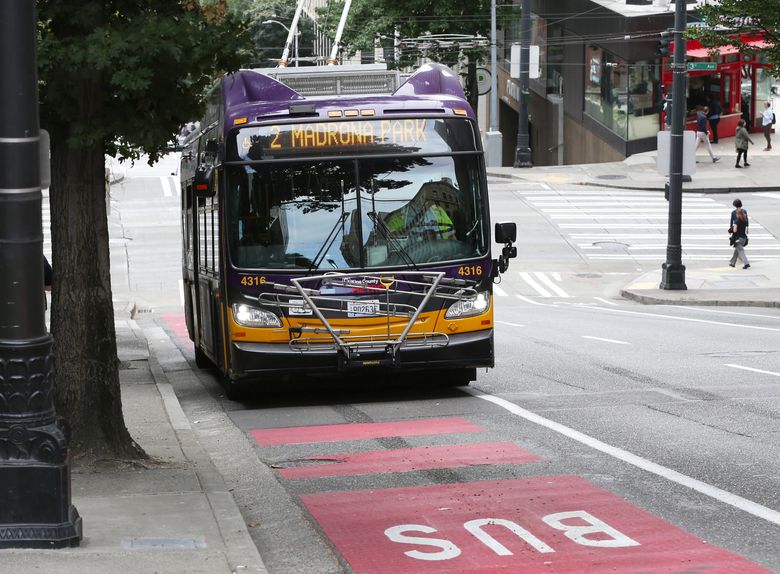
739	234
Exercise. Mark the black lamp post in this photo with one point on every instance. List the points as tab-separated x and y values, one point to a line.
523	149
673	271
35	507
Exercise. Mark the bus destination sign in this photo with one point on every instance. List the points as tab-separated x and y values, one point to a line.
415	135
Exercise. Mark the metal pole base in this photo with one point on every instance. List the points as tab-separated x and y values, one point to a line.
673	277
35	511
39	514
523	157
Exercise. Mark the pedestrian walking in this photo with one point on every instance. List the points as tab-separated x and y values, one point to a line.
742	140
739	234
713	116
701	132
767	119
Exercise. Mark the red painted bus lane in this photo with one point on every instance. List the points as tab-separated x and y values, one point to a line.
560	524
359	431
411	459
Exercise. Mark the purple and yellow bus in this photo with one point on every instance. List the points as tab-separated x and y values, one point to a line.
338	233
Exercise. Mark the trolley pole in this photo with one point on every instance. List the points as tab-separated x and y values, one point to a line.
523	151
35	511
673	271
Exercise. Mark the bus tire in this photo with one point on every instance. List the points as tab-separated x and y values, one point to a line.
233	391
458	377
201	360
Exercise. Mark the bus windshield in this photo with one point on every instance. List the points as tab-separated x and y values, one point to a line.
374	211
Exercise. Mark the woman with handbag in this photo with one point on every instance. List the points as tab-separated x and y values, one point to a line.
739	234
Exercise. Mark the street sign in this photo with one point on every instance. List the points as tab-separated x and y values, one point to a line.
534	71
663	159
483	81
702	66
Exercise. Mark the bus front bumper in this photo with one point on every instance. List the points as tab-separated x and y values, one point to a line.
466	350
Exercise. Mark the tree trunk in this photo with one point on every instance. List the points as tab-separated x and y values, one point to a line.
86	376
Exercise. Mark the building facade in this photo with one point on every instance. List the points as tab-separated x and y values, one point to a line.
599	96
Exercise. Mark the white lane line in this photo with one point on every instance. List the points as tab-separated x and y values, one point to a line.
605	340
525	276
688	319
557	276
763	372
176	185
532	302
166	185
769	195
714	492
498	291
634	226
181	292
739	314
549	283
607	301
508	323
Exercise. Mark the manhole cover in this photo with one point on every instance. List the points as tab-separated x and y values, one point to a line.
611	176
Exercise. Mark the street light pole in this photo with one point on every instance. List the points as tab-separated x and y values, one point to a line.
493	135
523	151
35	511
673	271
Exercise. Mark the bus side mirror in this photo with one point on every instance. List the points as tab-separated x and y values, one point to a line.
204	184
505	233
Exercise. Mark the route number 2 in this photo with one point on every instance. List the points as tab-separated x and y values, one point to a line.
577	525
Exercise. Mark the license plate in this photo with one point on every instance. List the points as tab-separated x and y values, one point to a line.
362	308
299	307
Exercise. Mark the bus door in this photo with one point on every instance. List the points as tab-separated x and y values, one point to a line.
207	260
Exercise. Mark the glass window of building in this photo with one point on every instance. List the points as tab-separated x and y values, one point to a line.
624	97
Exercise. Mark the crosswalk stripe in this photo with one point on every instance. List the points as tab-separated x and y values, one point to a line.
166	185
597	222
530	280
549	283
498	291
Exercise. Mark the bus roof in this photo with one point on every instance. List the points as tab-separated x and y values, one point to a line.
254	95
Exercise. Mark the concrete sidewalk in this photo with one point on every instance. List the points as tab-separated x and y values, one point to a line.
707	283
167	515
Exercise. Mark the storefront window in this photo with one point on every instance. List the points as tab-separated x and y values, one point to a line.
550	42
624	97
643	100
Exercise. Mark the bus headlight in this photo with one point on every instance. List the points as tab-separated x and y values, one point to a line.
469	307
247	316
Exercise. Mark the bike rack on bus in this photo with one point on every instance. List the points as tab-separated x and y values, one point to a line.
366	350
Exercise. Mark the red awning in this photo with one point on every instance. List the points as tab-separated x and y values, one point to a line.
706	52
726	50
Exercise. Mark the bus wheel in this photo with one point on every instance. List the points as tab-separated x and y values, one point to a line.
458	377
233	390
201	360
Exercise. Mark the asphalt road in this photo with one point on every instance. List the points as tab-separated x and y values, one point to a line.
610	437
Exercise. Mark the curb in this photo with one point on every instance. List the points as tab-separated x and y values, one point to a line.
651	299
242	553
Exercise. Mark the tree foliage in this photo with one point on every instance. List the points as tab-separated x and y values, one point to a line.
267	40
116	77
730	21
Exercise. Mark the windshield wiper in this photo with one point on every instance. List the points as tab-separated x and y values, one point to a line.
315	264
383	229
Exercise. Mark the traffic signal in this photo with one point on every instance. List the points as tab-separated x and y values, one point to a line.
664	49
